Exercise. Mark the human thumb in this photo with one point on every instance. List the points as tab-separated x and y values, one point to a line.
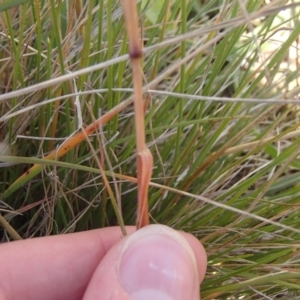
155	262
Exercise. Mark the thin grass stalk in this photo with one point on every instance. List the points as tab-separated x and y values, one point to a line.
144	156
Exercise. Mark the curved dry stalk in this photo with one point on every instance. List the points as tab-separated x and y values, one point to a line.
11	231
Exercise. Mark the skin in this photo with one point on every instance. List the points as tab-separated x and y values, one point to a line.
63	266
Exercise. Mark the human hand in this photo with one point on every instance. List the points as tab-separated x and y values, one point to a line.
155	262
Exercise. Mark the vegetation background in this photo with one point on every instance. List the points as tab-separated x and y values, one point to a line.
221	88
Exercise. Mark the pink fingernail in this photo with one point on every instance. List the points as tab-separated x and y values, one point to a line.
158	263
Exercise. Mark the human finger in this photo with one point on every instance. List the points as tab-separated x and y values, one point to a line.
155	262
54	267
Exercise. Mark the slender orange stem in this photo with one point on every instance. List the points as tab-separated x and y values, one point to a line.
144	156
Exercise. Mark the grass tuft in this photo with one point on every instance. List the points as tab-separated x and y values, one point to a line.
221	89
